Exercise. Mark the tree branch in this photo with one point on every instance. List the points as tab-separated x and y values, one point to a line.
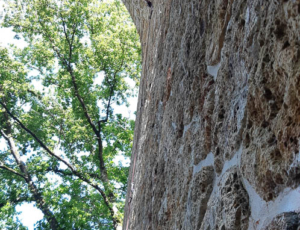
74	82
69	173
2	166
75	172
17	200
77	94
35	137
65	30
31	185
70	43
112	90
109	100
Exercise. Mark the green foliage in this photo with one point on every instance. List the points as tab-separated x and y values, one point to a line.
63	87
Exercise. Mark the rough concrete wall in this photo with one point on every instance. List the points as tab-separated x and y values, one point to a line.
218	128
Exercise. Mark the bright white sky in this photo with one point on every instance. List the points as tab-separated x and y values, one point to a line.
29	214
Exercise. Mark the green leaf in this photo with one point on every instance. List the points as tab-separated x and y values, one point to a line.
50	87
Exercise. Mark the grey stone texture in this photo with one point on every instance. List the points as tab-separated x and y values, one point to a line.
217	137
289	221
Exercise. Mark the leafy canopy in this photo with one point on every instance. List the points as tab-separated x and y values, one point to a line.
57	101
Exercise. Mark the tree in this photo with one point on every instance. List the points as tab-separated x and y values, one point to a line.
63	136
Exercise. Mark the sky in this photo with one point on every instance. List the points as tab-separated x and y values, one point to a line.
29	214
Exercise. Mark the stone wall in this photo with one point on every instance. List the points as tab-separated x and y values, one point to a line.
218	127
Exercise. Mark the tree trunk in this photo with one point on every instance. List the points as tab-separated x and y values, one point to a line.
217	140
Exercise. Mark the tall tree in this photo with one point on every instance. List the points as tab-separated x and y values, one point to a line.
59	125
